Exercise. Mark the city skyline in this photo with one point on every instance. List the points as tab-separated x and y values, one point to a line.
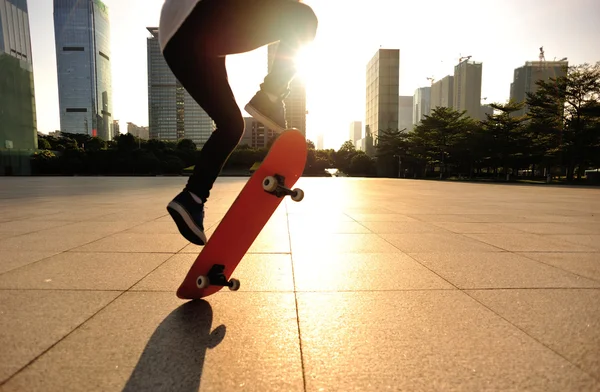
335	70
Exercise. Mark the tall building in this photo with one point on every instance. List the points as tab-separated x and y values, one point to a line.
405	113
383	83
320	142
137	131
421	104
82	37
18	124
486	109
467	88
355	131
525	79
173	113
256	135
295	103
442	93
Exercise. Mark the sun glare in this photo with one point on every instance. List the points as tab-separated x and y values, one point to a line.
305	63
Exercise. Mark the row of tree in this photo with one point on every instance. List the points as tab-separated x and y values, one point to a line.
560	134
81	154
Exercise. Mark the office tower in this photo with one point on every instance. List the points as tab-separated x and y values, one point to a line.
467	88
256	135
18	127
486	109
18	124
295	103
526	77
137	131
421	104
320	142
405	113
383	81
83	59
355	131
442	93
173	113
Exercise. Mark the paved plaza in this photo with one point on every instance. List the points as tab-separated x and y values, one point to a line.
366	285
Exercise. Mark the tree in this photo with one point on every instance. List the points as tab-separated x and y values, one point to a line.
95	144
186	144
43	144
392	146
361	164
344	156
126	142
438	135
507	133
563	116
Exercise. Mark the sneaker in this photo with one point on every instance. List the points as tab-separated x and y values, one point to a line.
189	217
271	114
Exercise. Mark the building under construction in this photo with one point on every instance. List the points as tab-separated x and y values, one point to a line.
526	78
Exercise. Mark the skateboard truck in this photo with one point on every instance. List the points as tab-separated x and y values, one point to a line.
216	277
275	185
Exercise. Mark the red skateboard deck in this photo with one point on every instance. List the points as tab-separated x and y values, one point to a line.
246	217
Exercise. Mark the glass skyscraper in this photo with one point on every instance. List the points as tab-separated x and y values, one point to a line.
173	113
82	33
18	128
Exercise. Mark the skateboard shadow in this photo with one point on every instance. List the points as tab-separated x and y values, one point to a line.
173	359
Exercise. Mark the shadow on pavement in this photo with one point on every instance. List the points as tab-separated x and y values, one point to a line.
173	359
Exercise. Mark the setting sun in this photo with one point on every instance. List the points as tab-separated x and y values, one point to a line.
306	64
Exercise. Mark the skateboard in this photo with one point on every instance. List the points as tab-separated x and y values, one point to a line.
245	219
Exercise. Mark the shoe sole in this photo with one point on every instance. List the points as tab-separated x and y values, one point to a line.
266	121
186	224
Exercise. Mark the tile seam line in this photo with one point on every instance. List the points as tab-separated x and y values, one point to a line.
72	250
532	337
302	365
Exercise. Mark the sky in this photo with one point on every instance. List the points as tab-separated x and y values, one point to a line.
431	36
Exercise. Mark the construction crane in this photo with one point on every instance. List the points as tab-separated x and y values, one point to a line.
463	58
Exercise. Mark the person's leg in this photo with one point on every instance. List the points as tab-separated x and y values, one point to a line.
196	55
249	24
205	79
238	26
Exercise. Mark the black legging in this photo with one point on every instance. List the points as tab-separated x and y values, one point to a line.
196	55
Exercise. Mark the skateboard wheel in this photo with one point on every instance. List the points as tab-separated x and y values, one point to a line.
270	184
202	282
298	194
235	285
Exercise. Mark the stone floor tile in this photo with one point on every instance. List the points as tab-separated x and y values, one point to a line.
498	270
154	341
256	272
564	320
84	271
422	341
362	272
32	321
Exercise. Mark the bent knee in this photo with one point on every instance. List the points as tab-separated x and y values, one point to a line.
233	127
305	19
